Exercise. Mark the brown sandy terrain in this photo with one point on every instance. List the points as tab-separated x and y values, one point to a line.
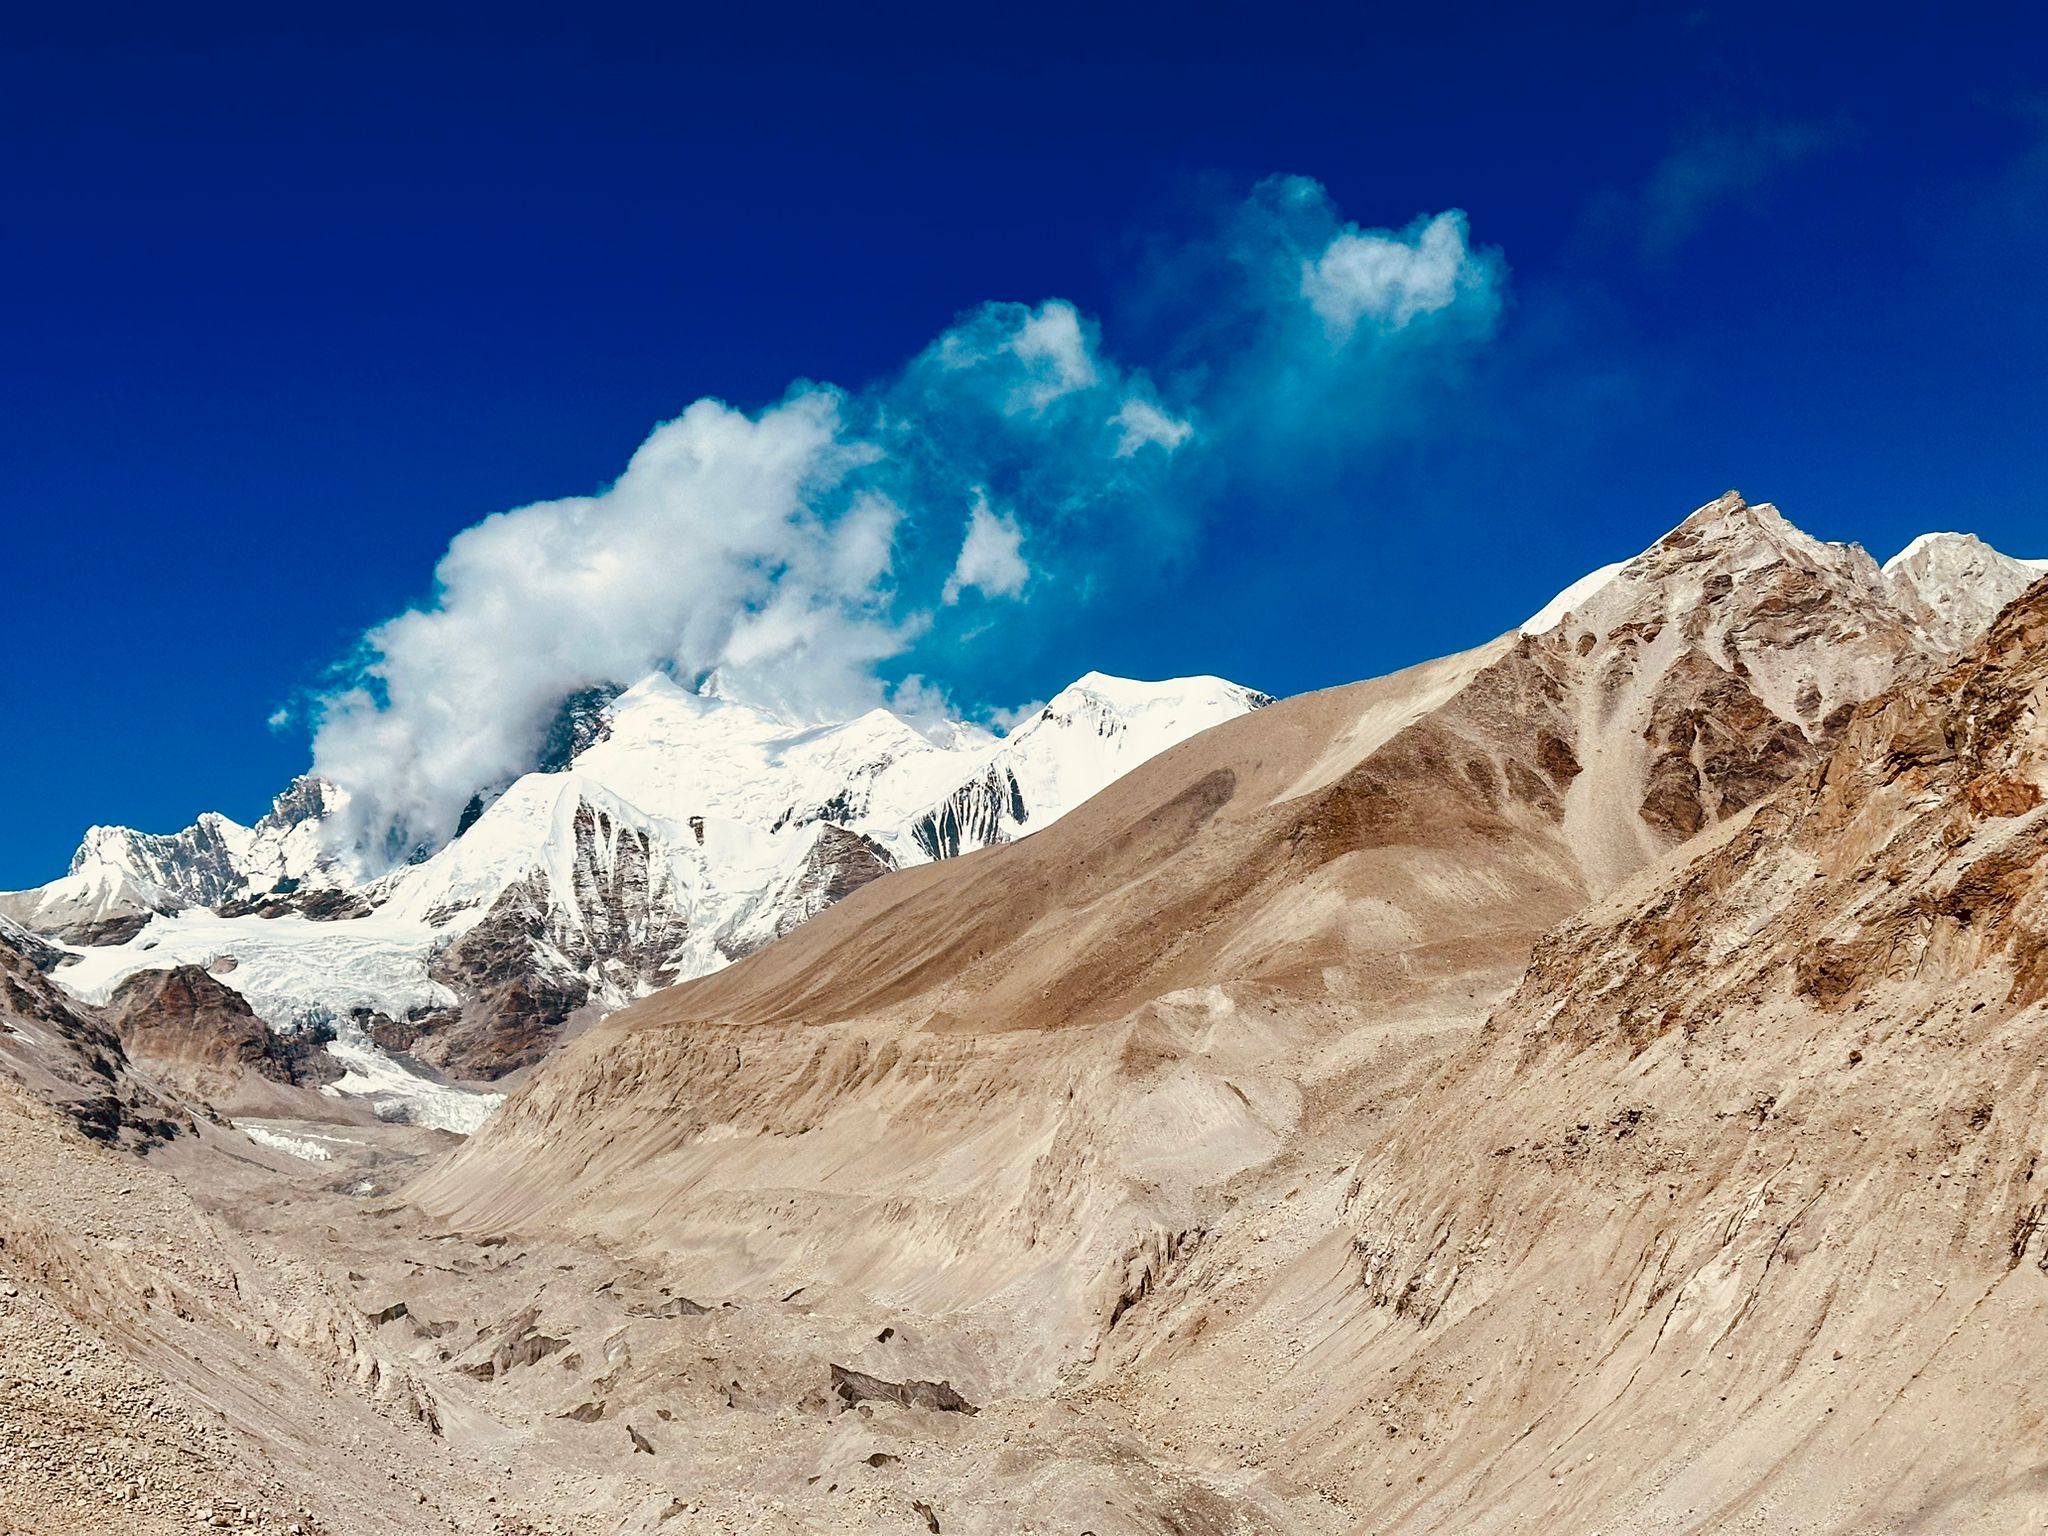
1586	1084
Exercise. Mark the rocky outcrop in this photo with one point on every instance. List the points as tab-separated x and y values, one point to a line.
1749	1157
1715	667
853	1388
837	864
516	997
580	723
973	816
184	1021
70	1058
541	953
319	904
1715	747
38	952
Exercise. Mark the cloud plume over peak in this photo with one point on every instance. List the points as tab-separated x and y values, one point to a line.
809	549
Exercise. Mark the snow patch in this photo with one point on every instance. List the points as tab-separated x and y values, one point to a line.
292	970
297	1146
402	1095
1552	613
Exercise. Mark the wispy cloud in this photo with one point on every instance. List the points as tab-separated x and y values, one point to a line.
808	549
991	557
1716	165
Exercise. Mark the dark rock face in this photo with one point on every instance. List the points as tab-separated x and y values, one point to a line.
393	1034
674	1306
839	863
304	800
110	930
851	1387
188	1017
67	1055
581	722
528	965
43	956
1718	747
972	816
324	904
1732	654
471	813
514	1002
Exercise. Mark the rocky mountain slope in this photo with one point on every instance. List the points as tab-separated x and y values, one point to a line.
160	1370
1729	1219
664	834
1341	845
1585	1083
1078	1103
1954	584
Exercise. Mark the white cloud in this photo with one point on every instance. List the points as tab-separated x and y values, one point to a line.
991	556
1391	279
1713	166
863	545
1145	423
1056	355
797	550
720	546
1007	720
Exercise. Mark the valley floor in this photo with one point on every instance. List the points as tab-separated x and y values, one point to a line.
255	1329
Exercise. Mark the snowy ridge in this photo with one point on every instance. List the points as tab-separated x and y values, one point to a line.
1930	541
1087	736
1553	613
1954	584
1919	544
679	831
1951	584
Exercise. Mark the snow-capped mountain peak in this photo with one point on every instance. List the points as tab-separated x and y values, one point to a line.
1954	584
665	832
1948	586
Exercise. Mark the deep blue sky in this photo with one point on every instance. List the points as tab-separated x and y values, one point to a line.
284	305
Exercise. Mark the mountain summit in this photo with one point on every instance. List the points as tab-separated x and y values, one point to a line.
665	833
